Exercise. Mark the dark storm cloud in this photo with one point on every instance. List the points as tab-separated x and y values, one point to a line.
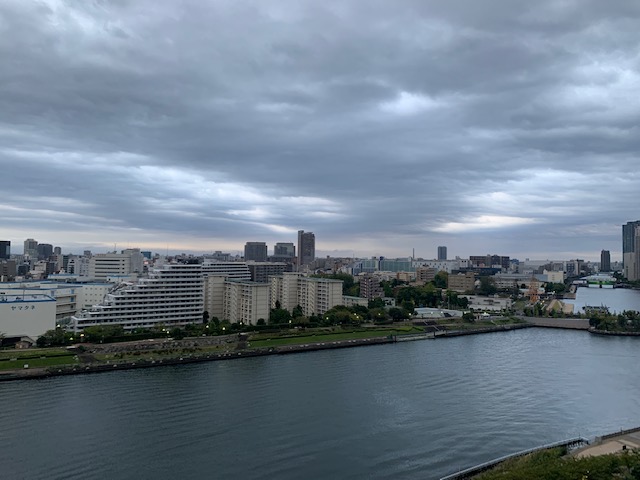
496	126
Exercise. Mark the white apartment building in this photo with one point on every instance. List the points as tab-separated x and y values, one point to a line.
442	265
104	265
231	270
284	289
172	295
236	300
314	295
214	289
246	302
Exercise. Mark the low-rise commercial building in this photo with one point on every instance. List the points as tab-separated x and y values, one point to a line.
29	315
462	282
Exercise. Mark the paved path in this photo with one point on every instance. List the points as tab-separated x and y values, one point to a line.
614	444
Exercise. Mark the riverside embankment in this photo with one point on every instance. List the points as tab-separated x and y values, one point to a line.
184	358
97	358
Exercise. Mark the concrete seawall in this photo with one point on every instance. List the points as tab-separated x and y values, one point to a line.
566	323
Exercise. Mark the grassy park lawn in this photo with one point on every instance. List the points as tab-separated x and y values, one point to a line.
17	362
333	337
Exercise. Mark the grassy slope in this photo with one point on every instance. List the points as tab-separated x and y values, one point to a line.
550	464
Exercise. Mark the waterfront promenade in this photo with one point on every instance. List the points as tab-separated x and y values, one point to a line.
611	443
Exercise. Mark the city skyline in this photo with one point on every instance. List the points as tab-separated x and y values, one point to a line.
272	251
501	127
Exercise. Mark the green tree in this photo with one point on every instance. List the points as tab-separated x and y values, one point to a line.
102	333
376	303
397	314
378	314
297	312
279	316
441	279
487	286
177	333
386	288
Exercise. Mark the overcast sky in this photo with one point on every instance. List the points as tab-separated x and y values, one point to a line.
499	126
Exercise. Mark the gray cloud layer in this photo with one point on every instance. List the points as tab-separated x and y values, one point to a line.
497	126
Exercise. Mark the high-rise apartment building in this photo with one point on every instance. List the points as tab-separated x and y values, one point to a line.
631	250
314	295
5	249
246	302
442	253
605	261
255	251
306	248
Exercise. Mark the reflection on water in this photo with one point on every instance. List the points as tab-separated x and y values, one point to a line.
412	410
617	299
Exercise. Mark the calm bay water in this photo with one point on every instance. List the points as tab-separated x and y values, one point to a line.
617	299
410	410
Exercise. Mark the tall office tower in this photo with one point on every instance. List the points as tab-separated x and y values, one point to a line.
306	248
5	249
442	253
31	248
284	249
605	261
629	251
57	250
45	250
256	251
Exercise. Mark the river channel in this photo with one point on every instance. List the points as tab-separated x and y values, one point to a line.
616	299
412	410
